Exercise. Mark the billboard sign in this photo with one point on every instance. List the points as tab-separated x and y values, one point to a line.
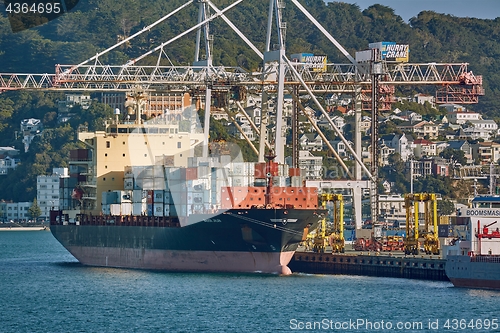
390	51
315	63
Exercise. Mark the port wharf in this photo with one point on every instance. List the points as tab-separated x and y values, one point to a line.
371	264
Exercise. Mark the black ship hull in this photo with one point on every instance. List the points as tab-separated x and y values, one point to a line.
250	240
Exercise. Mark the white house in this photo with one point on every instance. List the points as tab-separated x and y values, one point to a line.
422	98
7	159
311	142
424	148
486	124
402	144
30	128
341	148
461	117
477	133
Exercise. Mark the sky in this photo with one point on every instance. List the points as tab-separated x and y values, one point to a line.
485	9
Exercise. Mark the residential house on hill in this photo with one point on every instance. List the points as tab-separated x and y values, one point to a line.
454	108
477	133
422	98
422	129
365	124
464	146
311	142
385	152
7	159
401	143
486	152
424	147
30	128
410	116
460	117
337	120
434	166
341	148
486	124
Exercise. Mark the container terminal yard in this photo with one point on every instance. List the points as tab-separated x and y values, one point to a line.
381	252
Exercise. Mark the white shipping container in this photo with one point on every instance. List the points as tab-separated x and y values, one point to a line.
144	172
126	208
115	209
139	208
159	184
138	196
296	181
279	181
283	170
166	210
158	171
145	183
204	172
206	196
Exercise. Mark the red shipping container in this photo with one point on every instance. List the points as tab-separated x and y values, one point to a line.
260	171
294	172
150	196
191	173
273	168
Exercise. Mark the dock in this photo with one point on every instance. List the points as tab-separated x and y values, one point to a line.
370	264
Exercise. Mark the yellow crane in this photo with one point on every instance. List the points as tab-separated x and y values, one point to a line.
430	237
335	235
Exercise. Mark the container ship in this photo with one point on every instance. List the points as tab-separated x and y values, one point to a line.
474	262
138	197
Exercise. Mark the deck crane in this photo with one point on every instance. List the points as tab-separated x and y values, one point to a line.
371	83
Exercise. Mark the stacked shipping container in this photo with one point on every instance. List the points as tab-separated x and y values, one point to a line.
206	185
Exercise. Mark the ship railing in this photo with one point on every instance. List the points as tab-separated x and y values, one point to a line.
486	258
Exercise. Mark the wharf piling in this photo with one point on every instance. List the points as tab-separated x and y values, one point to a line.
413	267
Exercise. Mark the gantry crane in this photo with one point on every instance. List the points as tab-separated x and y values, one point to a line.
372	83
333	233
413	235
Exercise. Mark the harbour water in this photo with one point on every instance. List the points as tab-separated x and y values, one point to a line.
44	289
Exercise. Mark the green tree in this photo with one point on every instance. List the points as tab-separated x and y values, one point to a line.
445	207
34	211
454	156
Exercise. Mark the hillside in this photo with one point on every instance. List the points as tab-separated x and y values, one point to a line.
94	25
